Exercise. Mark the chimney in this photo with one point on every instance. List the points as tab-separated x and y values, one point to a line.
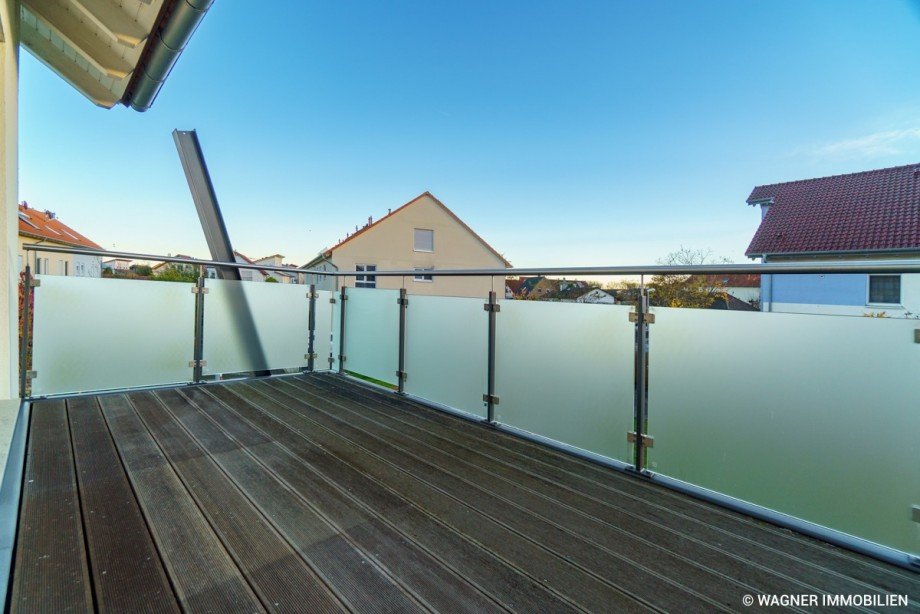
370	220
25	205
50	214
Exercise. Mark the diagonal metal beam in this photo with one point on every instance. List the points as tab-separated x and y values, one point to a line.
215	232
199	182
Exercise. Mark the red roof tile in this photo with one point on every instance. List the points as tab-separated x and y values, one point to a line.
868	211
43	225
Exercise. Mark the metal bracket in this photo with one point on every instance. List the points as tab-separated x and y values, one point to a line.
309	356
490	398
312	295
197	363
915	513
332	300
344	297
402	375
402	301
492	307
31	374
197	290
649	317
35	283
647	440
341	358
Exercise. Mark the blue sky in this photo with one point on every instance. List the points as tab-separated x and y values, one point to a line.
578	133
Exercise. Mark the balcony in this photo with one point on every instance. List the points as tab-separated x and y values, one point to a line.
226	445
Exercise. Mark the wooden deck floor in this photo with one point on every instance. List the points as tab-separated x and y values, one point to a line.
312	493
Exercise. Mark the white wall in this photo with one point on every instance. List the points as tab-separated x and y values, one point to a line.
9	197
86	266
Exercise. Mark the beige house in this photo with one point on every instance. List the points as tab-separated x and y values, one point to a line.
422	235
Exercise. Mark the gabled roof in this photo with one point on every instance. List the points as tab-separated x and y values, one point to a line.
328	252
731	303
45	225
870	211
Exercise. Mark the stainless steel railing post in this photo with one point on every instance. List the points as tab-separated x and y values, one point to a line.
403	302
197	362
311	329
489	397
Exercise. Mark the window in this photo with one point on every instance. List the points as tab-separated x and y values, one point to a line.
424	277
424	240
62	267
885	289
365	281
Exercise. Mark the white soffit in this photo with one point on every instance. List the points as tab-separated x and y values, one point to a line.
95	45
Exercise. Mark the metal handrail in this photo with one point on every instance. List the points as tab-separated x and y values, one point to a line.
770	268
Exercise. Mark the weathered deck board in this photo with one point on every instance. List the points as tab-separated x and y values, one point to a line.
276	573
526	550
504	583
434	584
204	576
128	575
744	564
765	544
51	571
314	493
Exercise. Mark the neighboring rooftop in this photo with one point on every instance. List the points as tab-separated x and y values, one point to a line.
870	211
45	225
736	280
326	253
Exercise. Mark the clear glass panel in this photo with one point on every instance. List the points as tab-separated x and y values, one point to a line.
565	371
251	326
810	415
447	351
98	334
322	333
372	333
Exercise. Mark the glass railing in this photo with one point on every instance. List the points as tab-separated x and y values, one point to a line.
811	416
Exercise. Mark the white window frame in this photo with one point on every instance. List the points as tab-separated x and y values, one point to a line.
870	303
415	246
366	281
427	279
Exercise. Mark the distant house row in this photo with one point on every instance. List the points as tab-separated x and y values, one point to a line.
867	215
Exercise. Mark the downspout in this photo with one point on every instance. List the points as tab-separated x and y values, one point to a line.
177	23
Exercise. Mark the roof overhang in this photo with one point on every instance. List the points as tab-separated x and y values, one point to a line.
850	253
111	51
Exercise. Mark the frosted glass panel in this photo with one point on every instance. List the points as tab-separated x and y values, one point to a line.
251	326
372	333
565	371
323	329
810	415
446	351
97	334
